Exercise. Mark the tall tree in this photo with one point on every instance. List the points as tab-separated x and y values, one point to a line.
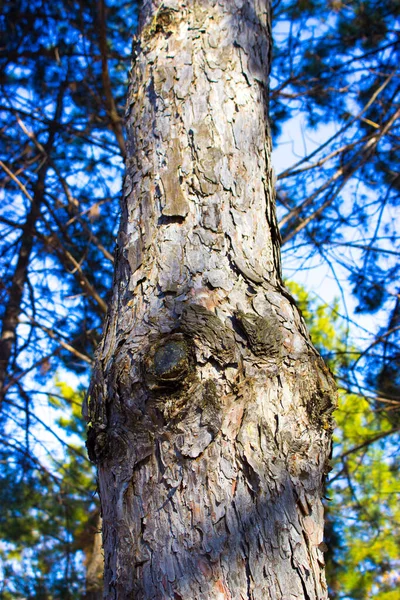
209	409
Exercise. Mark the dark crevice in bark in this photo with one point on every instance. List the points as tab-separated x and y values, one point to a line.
251	477
248	573
303	585
166	220
158	455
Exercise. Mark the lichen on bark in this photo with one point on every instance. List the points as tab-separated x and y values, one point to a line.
210	411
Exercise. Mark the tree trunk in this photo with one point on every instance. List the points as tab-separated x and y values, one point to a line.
209	408
94	559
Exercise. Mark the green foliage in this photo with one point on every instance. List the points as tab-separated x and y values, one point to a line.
326	327
49	514
363	510
364	503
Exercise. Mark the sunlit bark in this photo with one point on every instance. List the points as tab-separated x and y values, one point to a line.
209	409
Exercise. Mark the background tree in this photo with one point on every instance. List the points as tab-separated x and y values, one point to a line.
338	204
60	145
49	524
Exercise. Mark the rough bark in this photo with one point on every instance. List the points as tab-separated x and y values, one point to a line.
209	409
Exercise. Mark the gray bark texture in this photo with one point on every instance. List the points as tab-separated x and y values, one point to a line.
209	409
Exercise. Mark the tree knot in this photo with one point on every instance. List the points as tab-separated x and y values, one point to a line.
168	362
